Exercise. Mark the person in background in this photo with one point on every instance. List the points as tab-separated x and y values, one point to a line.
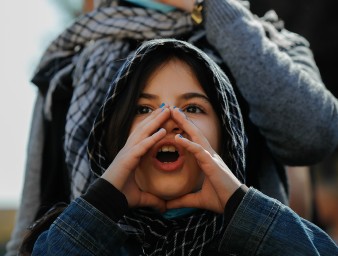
317	22
289	116
326	194
167	151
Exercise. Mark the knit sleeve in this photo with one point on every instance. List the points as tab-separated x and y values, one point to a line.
287	100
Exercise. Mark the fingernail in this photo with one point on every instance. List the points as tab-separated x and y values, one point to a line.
162	105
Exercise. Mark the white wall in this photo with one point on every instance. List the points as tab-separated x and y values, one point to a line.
26	28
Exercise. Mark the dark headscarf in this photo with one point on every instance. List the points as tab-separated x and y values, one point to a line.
227	106
193	233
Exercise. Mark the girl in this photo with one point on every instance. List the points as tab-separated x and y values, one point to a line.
167	148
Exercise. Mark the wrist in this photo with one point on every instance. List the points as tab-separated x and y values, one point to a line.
233	203
107	199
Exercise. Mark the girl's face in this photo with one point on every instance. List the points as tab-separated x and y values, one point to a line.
167	170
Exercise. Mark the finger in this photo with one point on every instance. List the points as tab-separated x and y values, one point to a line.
189	200
127	160
221	178
156	118
143	146
211	164
149	125
201	154
193	201
149	200
189	127
133	154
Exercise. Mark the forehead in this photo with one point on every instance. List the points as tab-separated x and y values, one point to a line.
174	76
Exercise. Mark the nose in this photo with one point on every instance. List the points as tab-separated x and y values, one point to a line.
171	126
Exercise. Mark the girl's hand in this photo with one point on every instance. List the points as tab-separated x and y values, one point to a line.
219	183
120	173
185	5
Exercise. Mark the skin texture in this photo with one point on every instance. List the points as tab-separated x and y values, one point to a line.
143	183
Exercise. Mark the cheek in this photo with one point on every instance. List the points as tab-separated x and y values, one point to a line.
211	131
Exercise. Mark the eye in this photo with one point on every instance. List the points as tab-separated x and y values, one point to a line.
194	109
141	110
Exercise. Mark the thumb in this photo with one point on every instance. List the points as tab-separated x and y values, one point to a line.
188	200
149	200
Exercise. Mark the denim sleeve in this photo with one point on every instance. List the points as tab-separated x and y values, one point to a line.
264	226
81	230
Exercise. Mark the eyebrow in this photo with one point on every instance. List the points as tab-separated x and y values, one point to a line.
185	96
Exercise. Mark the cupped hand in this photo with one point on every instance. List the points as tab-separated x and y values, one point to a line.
120	173
219	183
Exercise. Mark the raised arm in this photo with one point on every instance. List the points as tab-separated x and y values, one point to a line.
287	99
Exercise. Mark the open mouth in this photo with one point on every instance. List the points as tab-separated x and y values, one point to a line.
167	154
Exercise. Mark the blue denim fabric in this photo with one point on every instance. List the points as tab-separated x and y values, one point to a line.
82	230
260	226
264	226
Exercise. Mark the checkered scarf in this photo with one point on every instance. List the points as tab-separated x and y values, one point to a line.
83	59
89	52
182	236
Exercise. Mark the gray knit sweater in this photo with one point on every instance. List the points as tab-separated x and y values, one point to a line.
287	99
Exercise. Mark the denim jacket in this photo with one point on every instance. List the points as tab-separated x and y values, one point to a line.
260	226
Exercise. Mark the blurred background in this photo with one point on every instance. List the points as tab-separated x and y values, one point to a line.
27	29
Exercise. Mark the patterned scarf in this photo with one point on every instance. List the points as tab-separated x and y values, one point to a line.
192	234
83	59
189	235
90	51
